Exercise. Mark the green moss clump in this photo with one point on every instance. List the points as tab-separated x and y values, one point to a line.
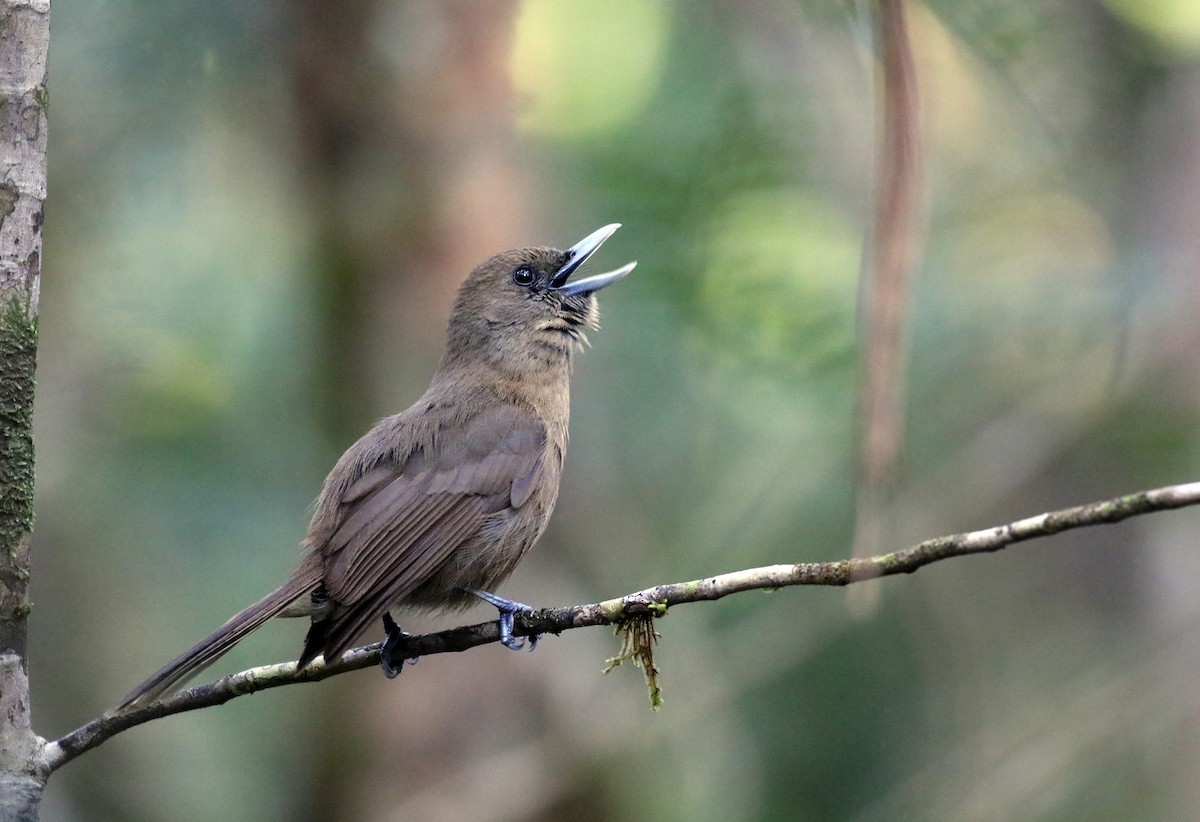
18	361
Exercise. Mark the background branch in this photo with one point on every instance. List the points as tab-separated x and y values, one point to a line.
890	260
648	602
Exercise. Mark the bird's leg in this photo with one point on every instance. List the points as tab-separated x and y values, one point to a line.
507	608
394	637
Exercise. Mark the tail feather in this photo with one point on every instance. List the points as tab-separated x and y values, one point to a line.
314	642
213	646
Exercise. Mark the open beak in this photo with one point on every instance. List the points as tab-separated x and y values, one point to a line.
577	255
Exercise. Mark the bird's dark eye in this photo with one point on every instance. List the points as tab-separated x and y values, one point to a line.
523	276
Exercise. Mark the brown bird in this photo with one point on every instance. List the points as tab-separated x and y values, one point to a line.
435	506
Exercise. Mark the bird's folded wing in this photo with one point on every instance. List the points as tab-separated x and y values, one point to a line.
399	527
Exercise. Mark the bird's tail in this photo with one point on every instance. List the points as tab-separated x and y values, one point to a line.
213	646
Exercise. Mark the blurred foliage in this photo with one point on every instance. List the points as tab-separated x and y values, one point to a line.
1052	361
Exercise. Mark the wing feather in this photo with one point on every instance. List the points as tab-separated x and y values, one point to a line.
401	523
360	565
405	573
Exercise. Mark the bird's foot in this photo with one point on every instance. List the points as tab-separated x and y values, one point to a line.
394	637
507	609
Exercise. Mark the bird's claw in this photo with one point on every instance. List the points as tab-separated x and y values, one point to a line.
394	637
508	609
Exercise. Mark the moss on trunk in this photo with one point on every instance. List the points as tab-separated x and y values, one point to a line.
18	359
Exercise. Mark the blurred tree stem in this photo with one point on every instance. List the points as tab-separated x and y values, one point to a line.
24	41
887	268
433	121
651	602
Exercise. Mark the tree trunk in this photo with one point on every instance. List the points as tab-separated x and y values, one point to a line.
24	38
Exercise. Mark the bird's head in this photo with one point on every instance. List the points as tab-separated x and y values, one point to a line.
522	308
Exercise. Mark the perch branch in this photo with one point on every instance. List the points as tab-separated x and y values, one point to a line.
652	601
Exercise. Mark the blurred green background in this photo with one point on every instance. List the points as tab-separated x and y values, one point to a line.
258	216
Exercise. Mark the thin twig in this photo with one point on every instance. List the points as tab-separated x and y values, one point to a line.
652	601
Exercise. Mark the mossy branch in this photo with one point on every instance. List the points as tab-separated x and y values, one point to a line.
642	604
